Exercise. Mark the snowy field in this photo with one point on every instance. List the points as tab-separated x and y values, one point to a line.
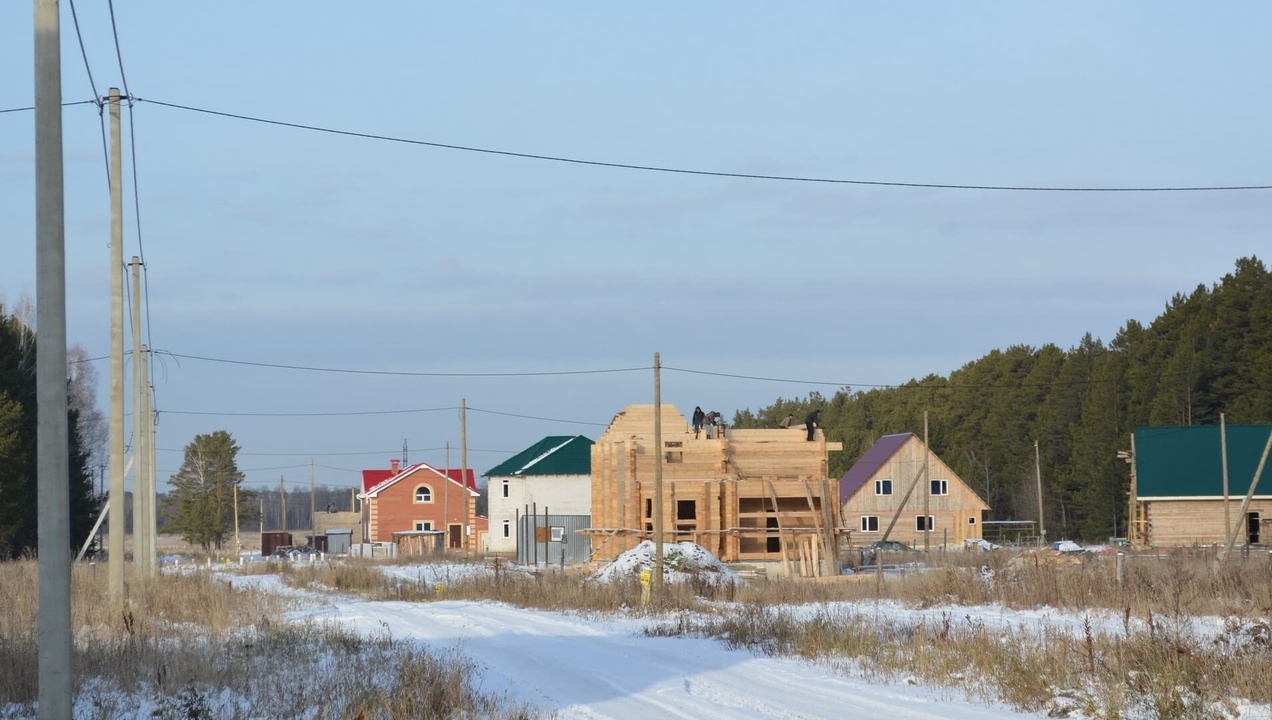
569	665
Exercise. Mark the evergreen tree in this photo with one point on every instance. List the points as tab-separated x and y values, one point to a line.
19	490
202	494
1208	352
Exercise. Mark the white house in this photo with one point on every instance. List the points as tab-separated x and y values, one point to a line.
551	476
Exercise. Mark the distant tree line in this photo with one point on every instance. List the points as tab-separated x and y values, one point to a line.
1209	352
18	442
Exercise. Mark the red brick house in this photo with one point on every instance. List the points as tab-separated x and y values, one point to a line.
421	497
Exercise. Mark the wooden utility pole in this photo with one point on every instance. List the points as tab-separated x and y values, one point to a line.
115	553
282	501
1223	450
463	470
139	428
658	482
1245	502
1042	528
313	512
927	495
52	461
262	518
1132	504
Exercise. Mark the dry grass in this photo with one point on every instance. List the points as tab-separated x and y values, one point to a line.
193	646
1142	673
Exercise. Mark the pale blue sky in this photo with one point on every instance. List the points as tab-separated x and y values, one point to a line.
276	245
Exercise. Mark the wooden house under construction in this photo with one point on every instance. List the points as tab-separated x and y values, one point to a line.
753	496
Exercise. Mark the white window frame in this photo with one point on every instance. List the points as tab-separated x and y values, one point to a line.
865	523
427	493
918	523
558	533
880	487
971	519
505	489
507	528
423	525
940	487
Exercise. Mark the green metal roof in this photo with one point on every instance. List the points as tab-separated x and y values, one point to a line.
1187	461
553	455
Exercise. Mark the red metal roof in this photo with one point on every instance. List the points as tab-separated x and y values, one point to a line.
371	478
374	478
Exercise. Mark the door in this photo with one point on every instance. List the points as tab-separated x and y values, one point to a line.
1252	527
455	535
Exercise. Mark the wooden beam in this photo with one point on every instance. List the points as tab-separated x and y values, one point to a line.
781	542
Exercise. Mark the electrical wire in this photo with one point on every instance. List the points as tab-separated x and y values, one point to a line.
65	104
688	171
118	55
535	417
906	386
405	373
101	118
312	414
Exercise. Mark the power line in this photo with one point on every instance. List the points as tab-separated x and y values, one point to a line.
906	386
312	414
101	118
405	373
687	171
119	56
65	104
535	417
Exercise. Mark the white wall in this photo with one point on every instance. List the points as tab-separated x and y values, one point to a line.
561	494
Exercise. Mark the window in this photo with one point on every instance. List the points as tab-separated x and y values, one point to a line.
423	525
558	534
507	529
423	494
921	526
869	523
883	487
971	521
940	487
505	490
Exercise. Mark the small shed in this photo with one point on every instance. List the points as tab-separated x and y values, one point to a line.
271	541
553	539
420	543
339	540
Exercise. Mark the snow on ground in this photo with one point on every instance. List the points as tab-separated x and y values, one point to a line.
682	562
593	669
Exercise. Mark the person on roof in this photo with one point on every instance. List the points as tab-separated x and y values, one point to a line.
810	423
698	419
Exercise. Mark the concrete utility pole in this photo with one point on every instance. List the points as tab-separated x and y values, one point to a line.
52	463
658	482
313	512
1042	528
147	473
115	553
139	419
282	501
463	469
238	547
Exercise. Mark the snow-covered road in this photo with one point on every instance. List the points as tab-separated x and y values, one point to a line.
583	668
